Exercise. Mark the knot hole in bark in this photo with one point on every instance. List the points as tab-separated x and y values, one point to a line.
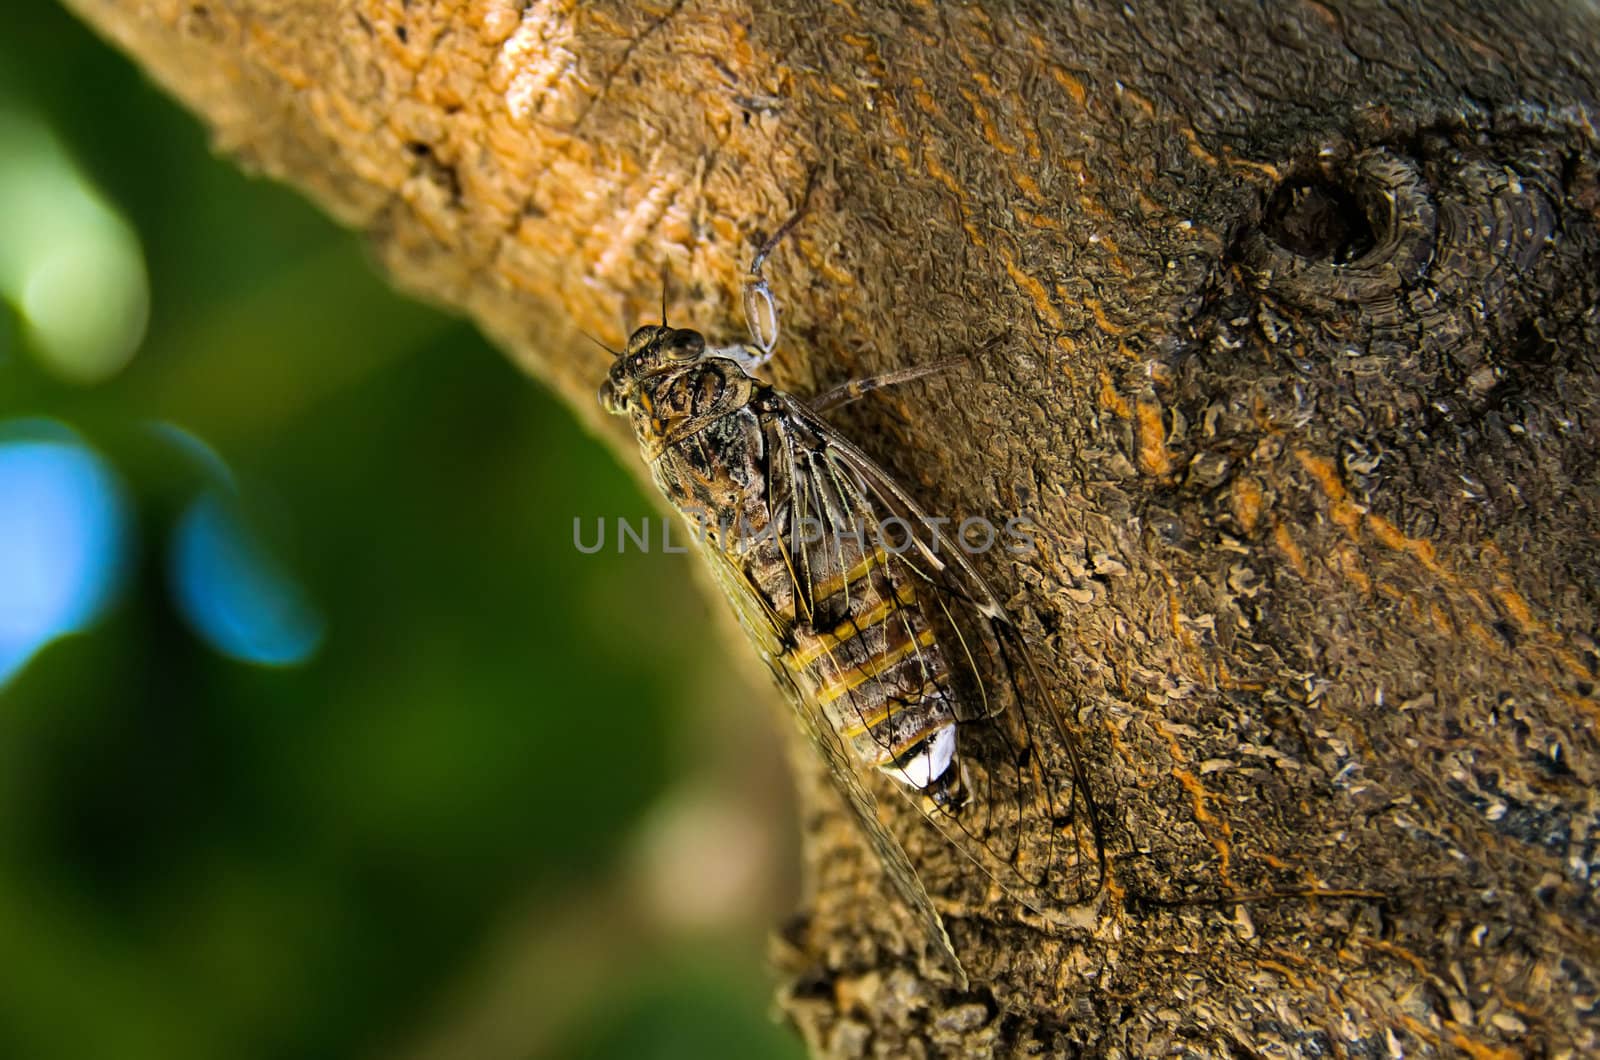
1354	230
1318	219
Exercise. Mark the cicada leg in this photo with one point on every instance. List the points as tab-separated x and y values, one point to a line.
748	357
860	388
760	307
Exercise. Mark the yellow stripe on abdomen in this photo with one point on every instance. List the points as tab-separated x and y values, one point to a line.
826	643
877	558
857	676
876	717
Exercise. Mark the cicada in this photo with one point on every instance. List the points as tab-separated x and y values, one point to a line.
902	665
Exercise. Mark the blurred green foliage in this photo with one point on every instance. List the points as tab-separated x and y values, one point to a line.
205	858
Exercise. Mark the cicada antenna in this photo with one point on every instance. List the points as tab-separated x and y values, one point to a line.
597	342
665	276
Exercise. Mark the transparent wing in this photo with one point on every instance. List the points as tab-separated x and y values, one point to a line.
1029	820
891	855
765	630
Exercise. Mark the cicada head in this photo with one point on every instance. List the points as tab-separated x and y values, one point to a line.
654	357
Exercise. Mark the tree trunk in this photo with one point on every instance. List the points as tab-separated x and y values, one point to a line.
1298	383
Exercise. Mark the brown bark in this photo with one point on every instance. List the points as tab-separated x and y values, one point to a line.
1299	385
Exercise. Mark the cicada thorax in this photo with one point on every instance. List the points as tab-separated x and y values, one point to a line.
675	405
713	477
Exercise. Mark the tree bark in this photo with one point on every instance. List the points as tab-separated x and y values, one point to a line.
1298	383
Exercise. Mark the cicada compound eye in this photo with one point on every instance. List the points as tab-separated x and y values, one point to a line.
642	339
683	345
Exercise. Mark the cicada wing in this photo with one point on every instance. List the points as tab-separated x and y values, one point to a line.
764	628
891	855
1030	820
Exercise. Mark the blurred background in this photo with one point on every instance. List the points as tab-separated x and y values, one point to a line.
318	736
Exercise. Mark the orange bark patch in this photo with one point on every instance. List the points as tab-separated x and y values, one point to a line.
1247	500
1029	186
1071	85
1291	550
1282	969
1035	291
1482	1050
1196	150
1348	561
1217	830
1390	536
1516	608
1154	456
1101	319
991	132
1346	516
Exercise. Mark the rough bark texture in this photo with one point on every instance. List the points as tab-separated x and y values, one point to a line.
1299	384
